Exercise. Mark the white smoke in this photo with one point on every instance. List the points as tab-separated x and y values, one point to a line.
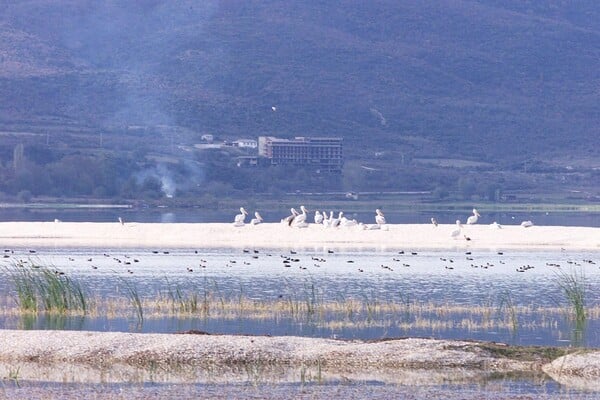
191	174
163	175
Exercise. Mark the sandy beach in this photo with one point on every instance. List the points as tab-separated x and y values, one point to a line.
276	235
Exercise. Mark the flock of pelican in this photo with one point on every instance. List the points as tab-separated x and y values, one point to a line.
301	219
329	220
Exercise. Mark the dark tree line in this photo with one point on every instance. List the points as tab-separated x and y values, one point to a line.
36	171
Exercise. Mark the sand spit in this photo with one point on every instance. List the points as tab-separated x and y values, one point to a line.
96	357
275	235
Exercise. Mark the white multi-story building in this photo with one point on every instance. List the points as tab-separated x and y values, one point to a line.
322	153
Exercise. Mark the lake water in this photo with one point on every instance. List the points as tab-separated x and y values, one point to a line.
509	296
193	215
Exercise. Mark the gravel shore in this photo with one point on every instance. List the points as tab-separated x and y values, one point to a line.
118	357
225	366
96	357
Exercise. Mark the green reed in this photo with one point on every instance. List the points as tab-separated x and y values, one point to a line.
43	289
136	301
506	303
573	287
182	302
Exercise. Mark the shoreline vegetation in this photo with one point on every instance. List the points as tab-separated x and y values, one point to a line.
402	205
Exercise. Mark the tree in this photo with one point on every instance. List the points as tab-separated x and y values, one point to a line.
24	196
466	187
151	188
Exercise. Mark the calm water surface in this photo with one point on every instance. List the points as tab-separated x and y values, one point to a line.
165	215
499	280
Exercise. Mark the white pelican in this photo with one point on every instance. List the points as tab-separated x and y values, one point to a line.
473	218
290	218
495	225
379	217
257	219
335	222
456	233
370	227
121	221
347	222
300	219
434	221
318	217
327	220
526	224
238	220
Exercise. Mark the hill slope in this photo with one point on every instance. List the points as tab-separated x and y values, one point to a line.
499	81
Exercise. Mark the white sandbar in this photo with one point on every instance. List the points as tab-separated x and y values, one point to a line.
276	235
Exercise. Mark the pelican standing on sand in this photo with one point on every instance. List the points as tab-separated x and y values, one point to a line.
434	221
327	219
473	218
318	217
257	219
239	218
456	233
300	220
290	218
335	222
379	217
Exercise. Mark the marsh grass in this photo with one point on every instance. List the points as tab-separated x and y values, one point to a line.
39	288
371	306
333	314
506	306
13	375
181	301
136	302
573	287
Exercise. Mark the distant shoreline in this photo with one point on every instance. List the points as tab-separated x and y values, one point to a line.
277	235
398	205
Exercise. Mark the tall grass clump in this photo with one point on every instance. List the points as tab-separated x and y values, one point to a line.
573	287
506	304
40	288
180	301
136	301
311	301
25	283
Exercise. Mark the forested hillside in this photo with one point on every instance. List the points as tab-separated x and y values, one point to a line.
474	97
